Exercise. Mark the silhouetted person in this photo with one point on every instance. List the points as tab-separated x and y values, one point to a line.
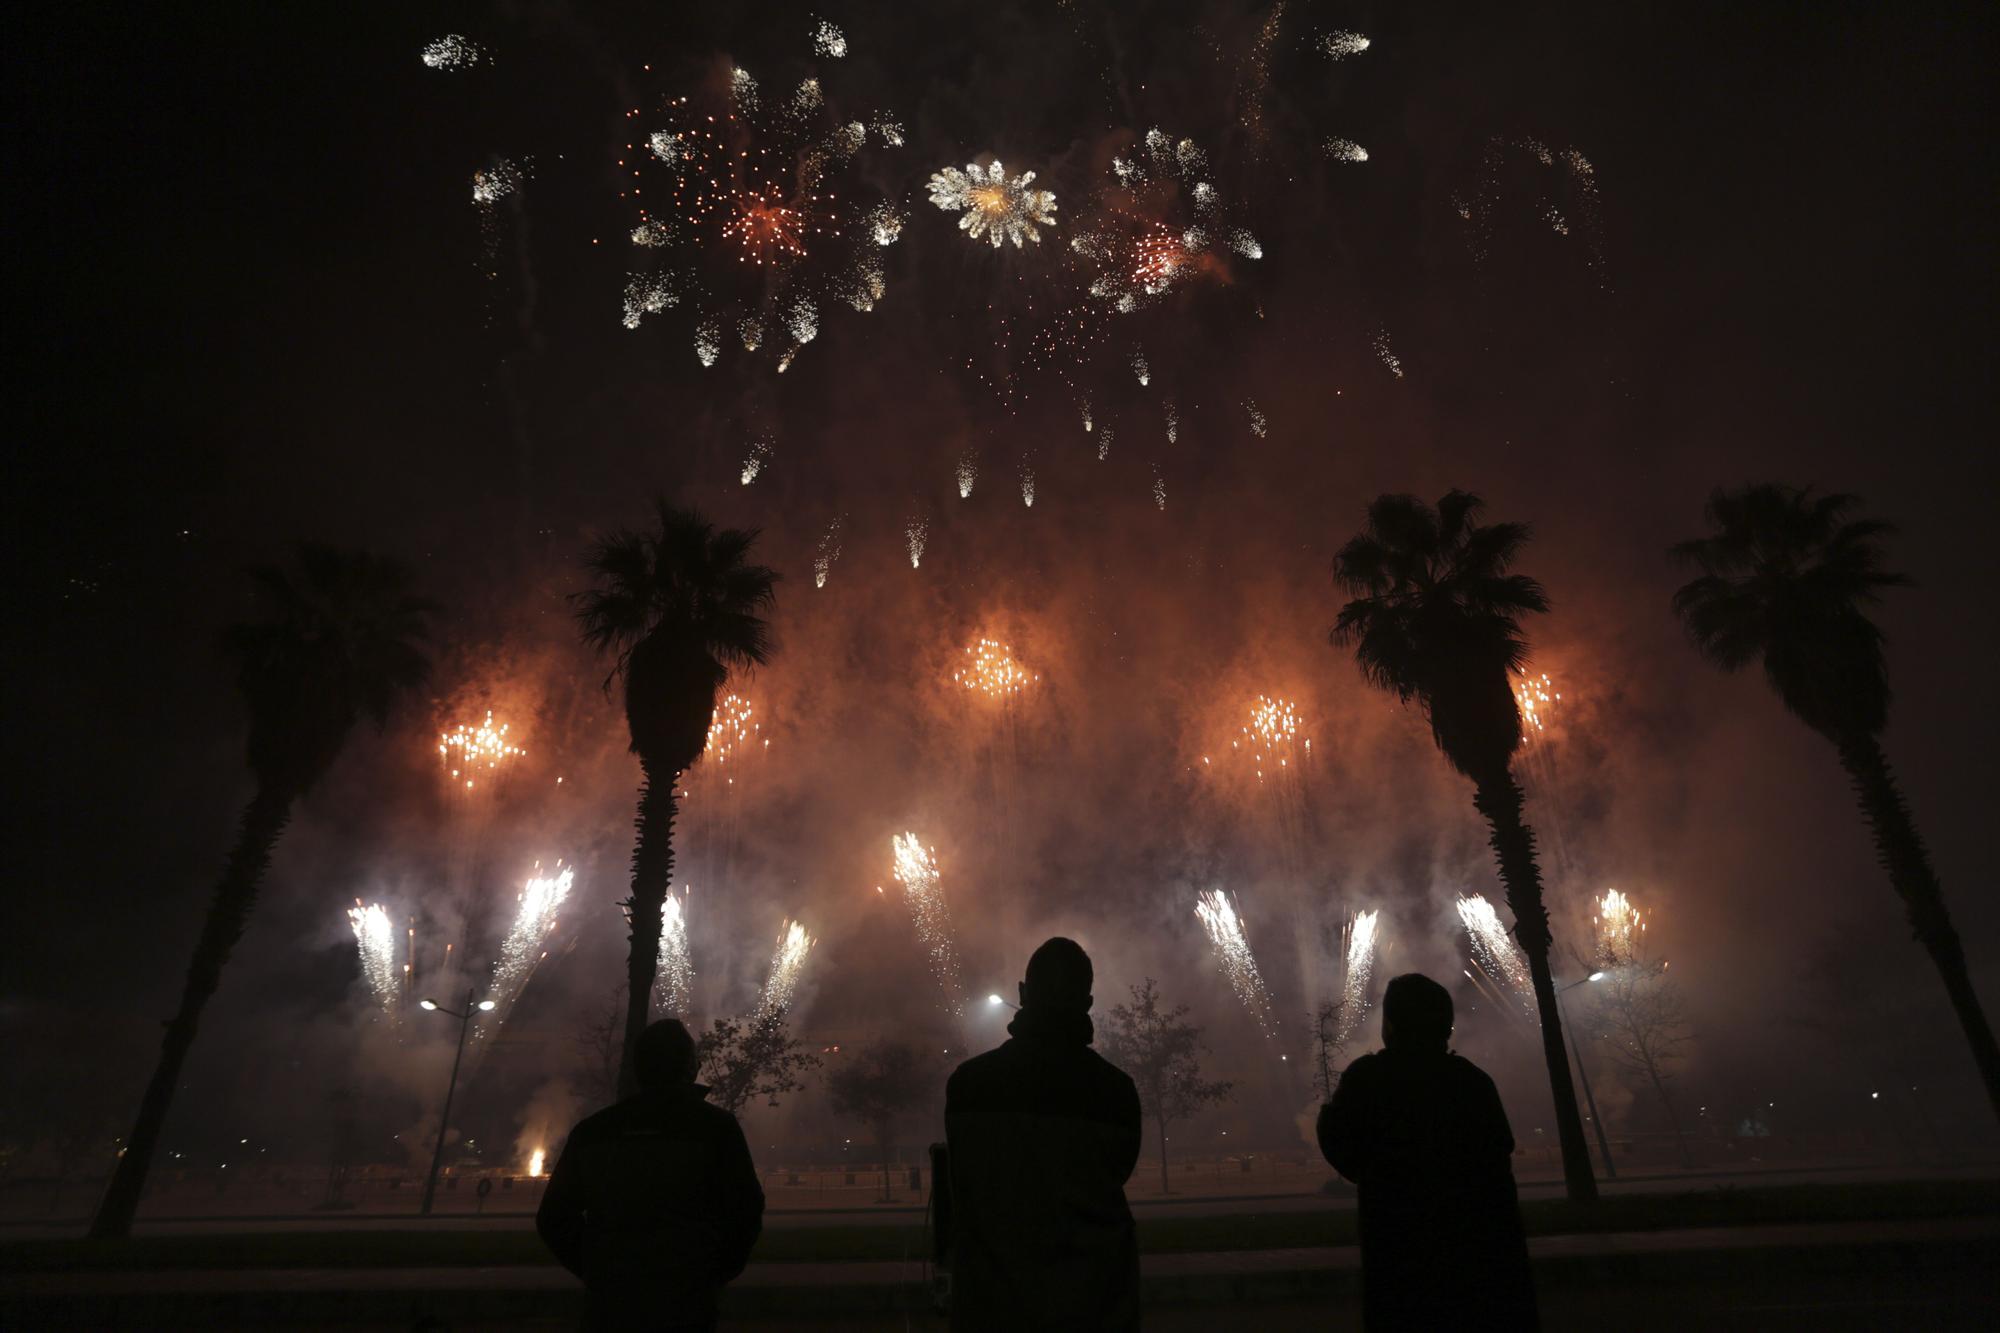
1043	1133
1422	1134
654	1202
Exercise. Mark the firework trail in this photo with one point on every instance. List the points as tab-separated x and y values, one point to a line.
1386	355
1089	424
1173	418
1258	426
1340	45
1494	950
1218	916
1620	930
453	52
916	534
993	205
710	791
786	964
535	1160
968	472
1344	150
673	984
1537	701
757	459
1104	442
1140	370
1359	938
916	869
375	937
1027	483
534	921
829	551
1159	488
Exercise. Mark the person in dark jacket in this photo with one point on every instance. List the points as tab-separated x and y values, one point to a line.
1422	1133
654	1202
1042	1134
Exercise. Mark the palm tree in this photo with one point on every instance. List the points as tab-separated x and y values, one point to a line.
1784	577
679	606
1435	619
340	638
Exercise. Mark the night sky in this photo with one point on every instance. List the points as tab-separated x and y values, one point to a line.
254	303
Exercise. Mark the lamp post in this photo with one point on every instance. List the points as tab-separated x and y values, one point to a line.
444	1121
994	1001
1583	1076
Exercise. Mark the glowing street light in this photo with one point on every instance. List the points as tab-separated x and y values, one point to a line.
994	1001
464	1022
1583	1075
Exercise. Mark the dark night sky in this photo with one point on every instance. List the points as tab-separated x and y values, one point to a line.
249	308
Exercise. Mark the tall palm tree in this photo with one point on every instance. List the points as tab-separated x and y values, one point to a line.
679	606
1784	577
1435	619
340	637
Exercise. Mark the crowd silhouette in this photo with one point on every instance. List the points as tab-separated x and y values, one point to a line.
654	1202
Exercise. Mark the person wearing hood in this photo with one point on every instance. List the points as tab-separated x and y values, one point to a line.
654	1202
1042	1135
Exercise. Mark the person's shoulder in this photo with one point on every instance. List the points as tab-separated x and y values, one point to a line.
971	1071
1363	1066
599	1122
1109	1073
1471	1073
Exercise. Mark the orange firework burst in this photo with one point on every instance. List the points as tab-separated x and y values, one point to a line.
992	670
466	749
1536	696
734	730
1271	739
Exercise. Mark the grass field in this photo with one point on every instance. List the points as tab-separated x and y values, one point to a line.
1884	1201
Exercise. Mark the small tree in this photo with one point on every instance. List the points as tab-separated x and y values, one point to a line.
1641	1016
1162	1053
600	1045
1328	1049
752	1057
880	1084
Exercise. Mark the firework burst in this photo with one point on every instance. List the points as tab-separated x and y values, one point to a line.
673	984
1163	224
375	937
534	920
1218	916
1620	928
916	535
746	214
994	205
467	750
993	671
916	869
787	962
1536	698
1340	45
968	472
828	552
1359	938
757	459
1494	950
454	52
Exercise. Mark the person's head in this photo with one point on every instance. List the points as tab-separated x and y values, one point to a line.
1058	977
1416	1014
663	1057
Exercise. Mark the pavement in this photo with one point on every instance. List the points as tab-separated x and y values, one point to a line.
1931	1274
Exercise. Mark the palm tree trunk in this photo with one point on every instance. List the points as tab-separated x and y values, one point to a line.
228	912
1499	800
652	875
1903	854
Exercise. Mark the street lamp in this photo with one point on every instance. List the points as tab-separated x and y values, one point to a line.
1583	1076
464	1022
994	1001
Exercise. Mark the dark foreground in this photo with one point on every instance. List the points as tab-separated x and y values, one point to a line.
1930	1273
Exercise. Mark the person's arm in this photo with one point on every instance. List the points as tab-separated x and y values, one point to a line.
560	1220
1495	1134
740	1218
1343	1136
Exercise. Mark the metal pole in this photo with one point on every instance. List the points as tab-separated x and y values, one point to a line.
444	1121
1583	1077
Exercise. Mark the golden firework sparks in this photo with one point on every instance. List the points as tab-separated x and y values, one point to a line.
467	749
916	869
1218	916
993	671
1620	929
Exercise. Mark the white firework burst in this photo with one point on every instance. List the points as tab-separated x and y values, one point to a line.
968	472
994	205
828	40
1339	45
794	943
673	984
757	458
375	937
916	869
916	533
453	51
1344	150
1219	917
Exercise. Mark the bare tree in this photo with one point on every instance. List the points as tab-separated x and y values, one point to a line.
1639	1013
600	1044
1329	1048
1162	1053
878	1086
752	1057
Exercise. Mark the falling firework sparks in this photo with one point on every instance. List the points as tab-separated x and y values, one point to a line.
1140	370
757	459
452	51
495	182
993	205
1340	45
733	731
1224	925
1620	927
916	869
1163	224
916	533
1027	483
968	472
541	898
1159	489
1360	934
828	40
1536	698
375	937
1494	950
673	985
829	551
1270	740
1173	422
1385	355
1104	442
1344	150
1258	426
786	964
466	749
993	671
